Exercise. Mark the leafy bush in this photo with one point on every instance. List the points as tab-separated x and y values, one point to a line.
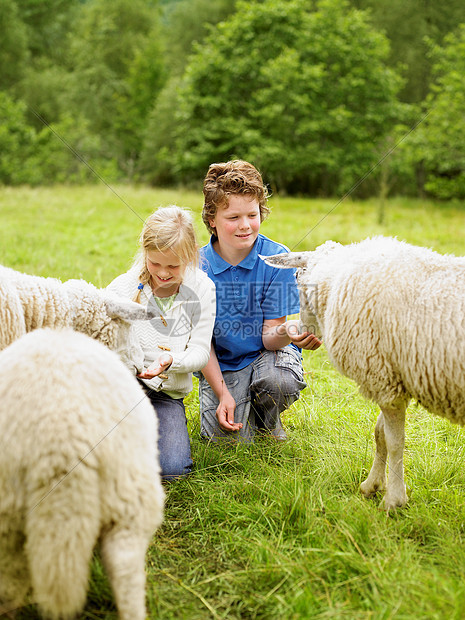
64	152
303	93
439	146
67	152
17	142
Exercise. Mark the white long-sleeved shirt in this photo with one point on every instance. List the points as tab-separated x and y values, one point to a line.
184	331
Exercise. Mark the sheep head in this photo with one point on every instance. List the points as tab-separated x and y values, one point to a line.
108	318
120	330
308	292
118	308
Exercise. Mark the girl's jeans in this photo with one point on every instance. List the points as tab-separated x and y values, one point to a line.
262	390
173	439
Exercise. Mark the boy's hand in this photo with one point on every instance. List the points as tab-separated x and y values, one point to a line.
225	414
303	340
306	341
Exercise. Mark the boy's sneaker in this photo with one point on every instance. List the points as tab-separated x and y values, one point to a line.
279	434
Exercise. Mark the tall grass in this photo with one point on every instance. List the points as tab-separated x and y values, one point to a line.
276	530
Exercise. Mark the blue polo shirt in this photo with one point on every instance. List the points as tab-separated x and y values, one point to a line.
246	295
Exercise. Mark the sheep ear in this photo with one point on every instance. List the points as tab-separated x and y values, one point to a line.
288	260
127	310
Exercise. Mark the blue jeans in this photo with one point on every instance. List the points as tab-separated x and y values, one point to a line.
262	390
173	439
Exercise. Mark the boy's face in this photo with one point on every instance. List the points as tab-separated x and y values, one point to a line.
237	225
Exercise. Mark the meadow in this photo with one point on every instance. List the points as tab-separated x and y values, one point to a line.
276	531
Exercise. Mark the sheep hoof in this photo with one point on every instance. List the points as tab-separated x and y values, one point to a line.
392	503
370	488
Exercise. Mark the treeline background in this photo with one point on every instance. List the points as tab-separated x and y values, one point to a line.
318	94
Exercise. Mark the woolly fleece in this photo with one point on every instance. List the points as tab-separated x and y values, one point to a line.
392	316
30	302
79	462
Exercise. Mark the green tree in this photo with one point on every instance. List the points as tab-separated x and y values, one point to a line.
68	152
44	84
17	142
118	72
13	45
157	159
304	93
45	88
188	22
411	28
185	24
48	23
439	146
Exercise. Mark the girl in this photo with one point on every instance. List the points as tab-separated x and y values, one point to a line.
165	275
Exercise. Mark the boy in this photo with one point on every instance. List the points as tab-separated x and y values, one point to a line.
255	368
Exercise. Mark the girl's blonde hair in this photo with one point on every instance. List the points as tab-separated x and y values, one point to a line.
168	228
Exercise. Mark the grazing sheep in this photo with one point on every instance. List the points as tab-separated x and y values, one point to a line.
393	319
29	302
78	463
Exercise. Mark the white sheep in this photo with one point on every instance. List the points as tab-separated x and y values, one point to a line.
78	463
29	302
392	316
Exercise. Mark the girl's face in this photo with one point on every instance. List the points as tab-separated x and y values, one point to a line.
167	271
237	225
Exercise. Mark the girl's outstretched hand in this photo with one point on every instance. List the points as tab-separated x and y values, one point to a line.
154	370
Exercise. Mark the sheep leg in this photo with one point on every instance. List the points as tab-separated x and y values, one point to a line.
376	480
61	534
14	571
394	431
123	554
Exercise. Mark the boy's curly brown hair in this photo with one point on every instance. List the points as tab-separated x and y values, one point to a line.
230	178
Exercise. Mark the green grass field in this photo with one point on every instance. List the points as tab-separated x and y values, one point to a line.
276	531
